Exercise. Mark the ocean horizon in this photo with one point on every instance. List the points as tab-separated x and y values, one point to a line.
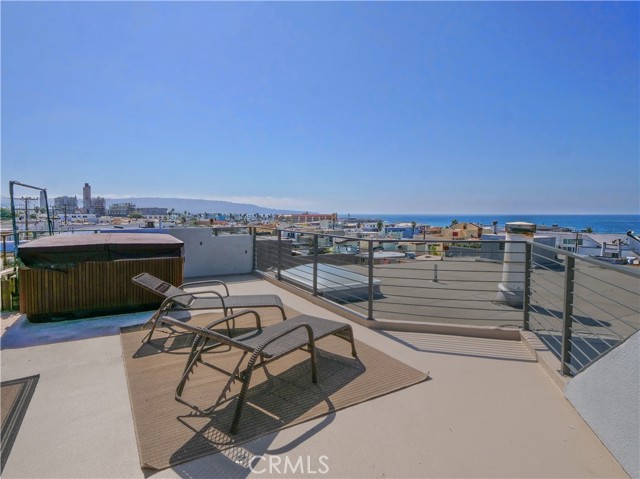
609	224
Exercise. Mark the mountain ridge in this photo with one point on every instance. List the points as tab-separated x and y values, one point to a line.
191	205
195	205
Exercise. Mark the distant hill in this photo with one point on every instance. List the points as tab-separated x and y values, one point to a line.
199	206
190	205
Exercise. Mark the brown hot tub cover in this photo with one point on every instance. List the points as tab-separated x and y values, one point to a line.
64	252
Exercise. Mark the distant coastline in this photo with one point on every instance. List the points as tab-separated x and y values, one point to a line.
598	223
607	224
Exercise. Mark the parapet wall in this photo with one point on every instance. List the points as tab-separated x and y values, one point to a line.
209	255
607	395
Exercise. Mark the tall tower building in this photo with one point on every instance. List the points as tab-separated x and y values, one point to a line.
86	198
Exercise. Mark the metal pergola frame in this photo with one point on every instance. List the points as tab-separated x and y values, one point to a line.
16	236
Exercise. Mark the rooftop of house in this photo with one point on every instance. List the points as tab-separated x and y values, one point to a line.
489	409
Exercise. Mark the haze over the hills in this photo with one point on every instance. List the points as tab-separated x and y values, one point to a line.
192	205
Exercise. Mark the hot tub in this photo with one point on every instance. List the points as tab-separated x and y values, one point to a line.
84	275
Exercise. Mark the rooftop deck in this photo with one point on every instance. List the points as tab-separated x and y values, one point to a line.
489	410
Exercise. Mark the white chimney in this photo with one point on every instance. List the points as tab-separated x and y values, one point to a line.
511	289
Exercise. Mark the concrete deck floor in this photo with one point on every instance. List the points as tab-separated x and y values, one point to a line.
490	410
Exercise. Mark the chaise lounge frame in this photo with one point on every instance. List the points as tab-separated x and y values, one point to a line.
263	344
177	299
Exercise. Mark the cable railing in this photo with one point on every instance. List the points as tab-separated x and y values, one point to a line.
582	308
441	281
579	306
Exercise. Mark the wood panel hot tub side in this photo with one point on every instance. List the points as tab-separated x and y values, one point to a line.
93	287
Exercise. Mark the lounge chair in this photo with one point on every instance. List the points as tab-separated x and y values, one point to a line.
177	299
265	343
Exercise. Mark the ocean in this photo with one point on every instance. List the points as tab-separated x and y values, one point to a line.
614	224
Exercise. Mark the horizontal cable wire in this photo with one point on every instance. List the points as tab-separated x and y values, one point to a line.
439	298
607	297
573	356
614	317
550	314
546	258
600	323
549	279
580	272
445	307
536	287
392	267
447	279
440	316
539	294
553	334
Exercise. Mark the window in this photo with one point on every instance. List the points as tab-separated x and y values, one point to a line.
571	241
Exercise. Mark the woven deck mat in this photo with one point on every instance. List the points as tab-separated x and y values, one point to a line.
16	396
281	394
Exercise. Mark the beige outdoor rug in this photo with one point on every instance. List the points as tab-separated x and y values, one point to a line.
281	394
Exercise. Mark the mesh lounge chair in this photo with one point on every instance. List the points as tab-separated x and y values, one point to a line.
177	299
265	343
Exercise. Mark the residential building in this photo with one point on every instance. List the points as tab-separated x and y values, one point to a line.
458	231
122	209
84	218
152	211
403	230
308	218
99	206
66	203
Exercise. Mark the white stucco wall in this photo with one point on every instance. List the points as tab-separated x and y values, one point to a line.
208	255
607	396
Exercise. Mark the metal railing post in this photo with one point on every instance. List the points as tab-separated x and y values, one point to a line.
370	309
254	233
526	301
567	313
279	254
315	265
16	233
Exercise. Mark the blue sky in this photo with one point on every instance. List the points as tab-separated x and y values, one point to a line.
361	107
